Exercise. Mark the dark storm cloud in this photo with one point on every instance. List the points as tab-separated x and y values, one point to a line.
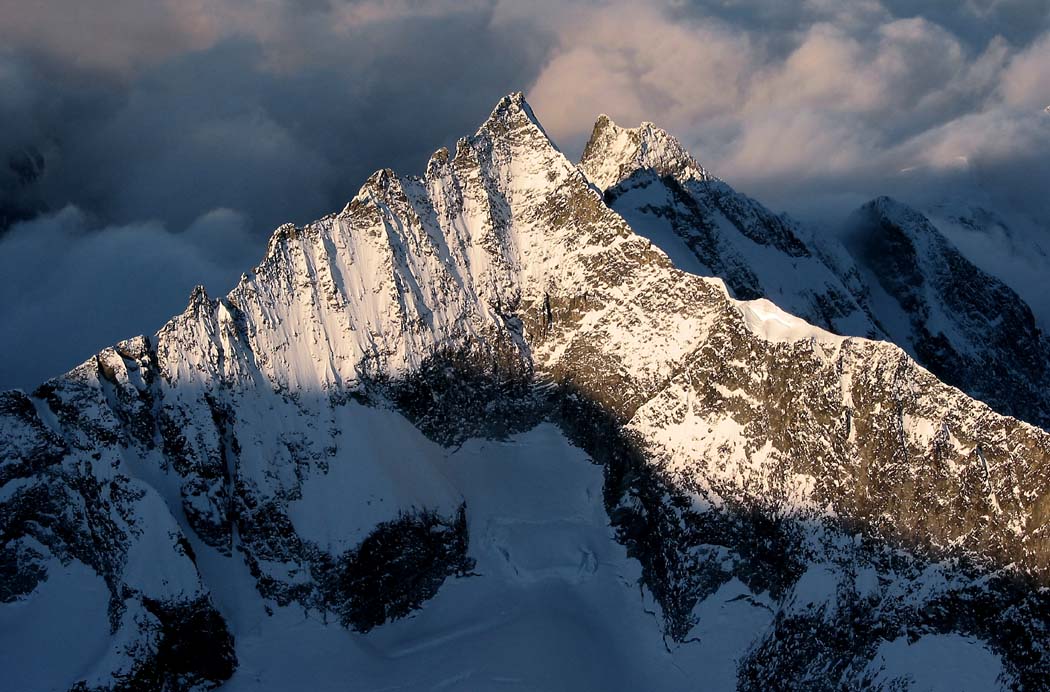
68	288
279	130
150	116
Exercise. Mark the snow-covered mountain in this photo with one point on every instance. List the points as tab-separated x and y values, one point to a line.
475	432
893	275
708	228
1003	242
966	326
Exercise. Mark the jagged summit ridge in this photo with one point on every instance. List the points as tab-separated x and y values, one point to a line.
513	107
412	265
614	153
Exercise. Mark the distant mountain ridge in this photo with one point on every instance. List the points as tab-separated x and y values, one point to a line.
898	278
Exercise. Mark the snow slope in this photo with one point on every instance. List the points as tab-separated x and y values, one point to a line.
553	604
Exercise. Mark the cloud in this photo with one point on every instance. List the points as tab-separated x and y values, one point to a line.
677	75
68	288
151	116
120	39
278	114
799	100
1026	81
280	109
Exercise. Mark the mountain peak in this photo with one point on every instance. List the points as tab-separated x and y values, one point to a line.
437	160
512	113
614	153
487	371
898	213
887	220
513	103
198	297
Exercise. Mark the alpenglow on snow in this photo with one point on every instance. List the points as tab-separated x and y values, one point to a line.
519	423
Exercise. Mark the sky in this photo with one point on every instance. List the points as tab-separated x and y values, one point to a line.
176	135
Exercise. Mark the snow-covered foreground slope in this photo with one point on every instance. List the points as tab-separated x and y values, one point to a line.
553	602
369	461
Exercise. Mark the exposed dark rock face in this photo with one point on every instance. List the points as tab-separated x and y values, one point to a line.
401	564
454	397
194	651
